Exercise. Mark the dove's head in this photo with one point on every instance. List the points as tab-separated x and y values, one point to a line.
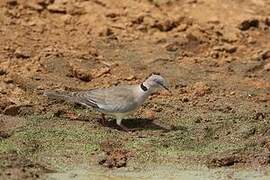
154	81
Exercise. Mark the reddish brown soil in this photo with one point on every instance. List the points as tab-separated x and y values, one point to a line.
114	155
214	53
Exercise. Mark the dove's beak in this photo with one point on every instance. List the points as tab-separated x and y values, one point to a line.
165	87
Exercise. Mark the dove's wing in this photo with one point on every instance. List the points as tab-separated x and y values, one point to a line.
120	99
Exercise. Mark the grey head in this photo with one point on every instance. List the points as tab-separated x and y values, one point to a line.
155	81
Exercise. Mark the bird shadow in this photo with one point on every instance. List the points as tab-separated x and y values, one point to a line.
134	124
138	124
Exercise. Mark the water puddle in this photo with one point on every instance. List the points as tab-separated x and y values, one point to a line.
160	172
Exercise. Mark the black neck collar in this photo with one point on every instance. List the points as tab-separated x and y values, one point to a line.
143	87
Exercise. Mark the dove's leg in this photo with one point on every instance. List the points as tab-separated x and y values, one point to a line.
119	123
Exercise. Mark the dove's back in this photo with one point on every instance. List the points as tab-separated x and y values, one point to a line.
118	99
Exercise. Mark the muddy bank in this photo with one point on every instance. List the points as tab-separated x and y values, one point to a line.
162	172
214	54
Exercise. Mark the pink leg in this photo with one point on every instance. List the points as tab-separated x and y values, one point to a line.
103	120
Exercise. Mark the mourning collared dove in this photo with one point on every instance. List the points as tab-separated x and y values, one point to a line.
118	101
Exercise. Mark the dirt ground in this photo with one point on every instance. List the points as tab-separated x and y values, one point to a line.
214	53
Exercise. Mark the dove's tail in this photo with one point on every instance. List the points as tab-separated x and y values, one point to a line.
60	95
73	97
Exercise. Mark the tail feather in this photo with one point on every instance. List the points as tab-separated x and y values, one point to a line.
60	96
73	97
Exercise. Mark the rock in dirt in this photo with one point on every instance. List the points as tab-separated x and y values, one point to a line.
106	32
57	8
76	10
35	6
44	2
214	54
248	23
182	27
8	80
265	54
165	26
66	18
100	72
80	73
12	2
267	21
225	48
20	53
267	67
192	1
130	78
138	20
112	14
174	46
251	40
261	55
230	35
2	72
